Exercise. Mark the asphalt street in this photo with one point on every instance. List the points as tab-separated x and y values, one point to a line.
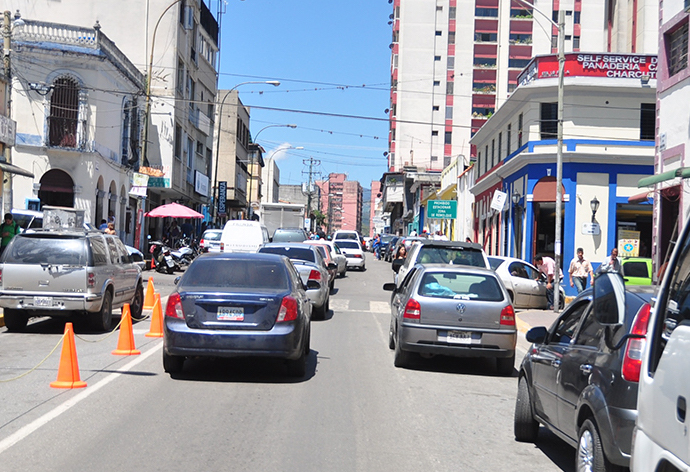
353	411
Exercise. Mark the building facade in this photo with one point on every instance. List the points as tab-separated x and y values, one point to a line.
342	201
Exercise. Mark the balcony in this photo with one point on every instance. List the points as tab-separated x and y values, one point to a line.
200	121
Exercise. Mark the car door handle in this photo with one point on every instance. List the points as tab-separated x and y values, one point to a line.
586	369
681	406
555	363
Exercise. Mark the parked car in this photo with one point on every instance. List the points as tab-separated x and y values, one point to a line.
243	236
62	273
526	285
311	267
27	219
232	305
578	382
353	253
440	252
330	256
637	270
211	241
385	241
340	257
289	235
452	310
390	251
137	257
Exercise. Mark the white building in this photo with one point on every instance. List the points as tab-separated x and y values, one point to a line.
75	98
270	177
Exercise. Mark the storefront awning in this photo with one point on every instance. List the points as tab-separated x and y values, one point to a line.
641	197
12	169
682	172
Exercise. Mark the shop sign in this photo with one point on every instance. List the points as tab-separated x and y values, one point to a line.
8	131
442	209
499	200
628	243
222	197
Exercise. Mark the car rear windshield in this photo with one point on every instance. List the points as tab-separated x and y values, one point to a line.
348	244
451	255
353	236
59	251
282	236
299	253
460	286
212	235
221	273
386	238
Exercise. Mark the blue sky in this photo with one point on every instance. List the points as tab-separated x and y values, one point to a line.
331	57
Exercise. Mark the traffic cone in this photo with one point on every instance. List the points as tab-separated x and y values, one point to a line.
156	330
68	372
125	343
149	300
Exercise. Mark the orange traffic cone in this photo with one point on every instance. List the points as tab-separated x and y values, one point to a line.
156	330
68	372
125	344
149	300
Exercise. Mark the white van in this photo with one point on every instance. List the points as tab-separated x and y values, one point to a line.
660	439
243	236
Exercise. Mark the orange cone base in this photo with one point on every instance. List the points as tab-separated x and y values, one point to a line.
75	384
125	343
156	330
131	352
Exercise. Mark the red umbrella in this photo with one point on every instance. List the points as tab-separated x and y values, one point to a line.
173	210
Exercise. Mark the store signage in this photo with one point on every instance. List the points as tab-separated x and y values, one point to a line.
442	209
201	184
8	131
631	66
222	197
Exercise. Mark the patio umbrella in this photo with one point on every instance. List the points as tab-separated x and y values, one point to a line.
173	210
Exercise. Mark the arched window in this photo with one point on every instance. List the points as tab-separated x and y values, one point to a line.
64	113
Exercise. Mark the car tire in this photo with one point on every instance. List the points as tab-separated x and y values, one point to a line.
297	367
590	452
103	320
401	358
137	304
172	364
505	365
320	313
15	320
525	427
391	337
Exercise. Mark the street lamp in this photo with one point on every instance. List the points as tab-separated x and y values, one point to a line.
275	83
251	164
559	147
594	205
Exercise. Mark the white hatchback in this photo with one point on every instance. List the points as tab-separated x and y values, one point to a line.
353	252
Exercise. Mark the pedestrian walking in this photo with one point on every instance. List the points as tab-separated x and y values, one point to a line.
612	264
580	269
377	246
547	266
8	230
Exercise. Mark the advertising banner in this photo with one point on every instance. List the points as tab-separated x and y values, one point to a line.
222	198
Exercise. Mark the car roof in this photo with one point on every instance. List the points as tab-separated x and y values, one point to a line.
432	242
259	256
294	228
456	268
290	244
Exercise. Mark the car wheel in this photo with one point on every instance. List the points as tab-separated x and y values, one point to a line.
331	286
297	367
320	312
172	364
137	304
391	337
15	320
525	427
505	365
590	453
401	358
104	318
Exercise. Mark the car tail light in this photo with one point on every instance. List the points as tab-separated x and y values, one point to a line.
315	275
508	316
202	243
357	256
413	310
288	310
174	307
632	361
91	279
222	247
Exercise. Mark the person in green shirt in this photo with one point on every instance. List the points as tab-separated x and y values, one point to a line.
8	230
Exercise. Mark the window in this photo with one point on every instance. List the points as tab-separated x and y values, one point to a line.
565	330
178	142
437	83
451	63
576	18
449	88
439	33
677	45
486	157
500	146
180	79
568	13
449	113
451	37
493	152
490	12
486	37
554	42
437	58
190	152
549	120
449	137
98	251
64	113
568	37
451	13
130	134
647	121
519	130
519	63
434	133
488	61
434	158
435	108
576	42
508	137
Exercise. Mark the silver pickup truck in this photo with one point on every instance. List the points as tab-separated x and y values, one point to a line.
65	273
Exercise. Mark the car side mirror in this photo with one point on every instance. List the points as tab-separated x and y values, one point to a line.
177	279
397	264
608	300
313	285
332	266
390	287
536	335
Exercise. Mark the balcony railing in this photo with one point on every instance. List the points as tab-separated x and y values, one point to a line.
200	121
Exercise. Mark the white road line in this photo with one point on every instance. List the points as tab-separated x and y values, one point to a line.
22	433
339	304
380	307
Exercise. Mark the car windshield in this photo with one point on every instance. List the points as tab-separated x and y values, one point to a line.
460	286
221	273
348	245
295	253
212	235
386	238
494	263
285	236
58	251
451	255
352	236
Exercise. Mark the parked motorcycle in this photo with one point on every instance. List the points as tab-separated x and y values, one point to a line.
162	257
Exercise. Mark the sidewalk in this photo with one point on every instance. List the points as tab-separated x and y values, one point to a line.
527	319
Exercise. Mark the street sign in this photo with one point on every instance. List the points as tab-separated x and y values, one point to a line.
442	209
590	228
499	200
222	197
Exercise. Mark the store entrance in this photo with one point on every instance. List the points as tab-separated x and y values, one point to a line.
545	228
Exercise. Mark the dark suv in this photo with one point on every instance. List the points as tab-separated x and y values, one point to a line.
579	379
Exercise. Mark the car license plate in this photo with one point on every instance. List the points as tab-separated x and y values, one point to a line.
463	337
43	301
228	313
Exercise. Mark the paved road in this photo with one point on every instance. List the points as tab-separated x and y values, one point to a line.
353	411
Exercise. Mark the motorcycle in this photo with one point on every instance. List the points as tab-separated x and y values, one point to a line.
186	252
162	256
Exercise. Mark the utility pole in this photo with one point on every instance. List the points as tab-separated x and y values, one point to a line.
311	162
7	45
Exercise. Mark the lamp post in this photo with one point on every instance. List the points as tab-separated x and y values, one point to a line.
517	222
594	205
559	147
275	83
8	26
251	164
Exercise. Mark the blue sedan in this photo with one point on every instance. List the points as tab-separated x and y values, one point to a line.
238	305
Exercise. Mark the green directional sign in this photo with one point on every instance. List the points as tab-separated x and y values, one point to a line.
442	209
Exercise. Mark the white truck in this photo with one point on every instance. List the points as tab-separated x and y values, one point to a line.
281	215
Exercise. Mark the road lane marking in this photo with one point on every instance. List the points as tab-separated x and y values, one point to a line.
379	307
339	304
23	432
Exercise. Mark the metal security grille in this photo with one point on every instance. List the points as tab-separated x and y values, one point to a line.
678	50
64	112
